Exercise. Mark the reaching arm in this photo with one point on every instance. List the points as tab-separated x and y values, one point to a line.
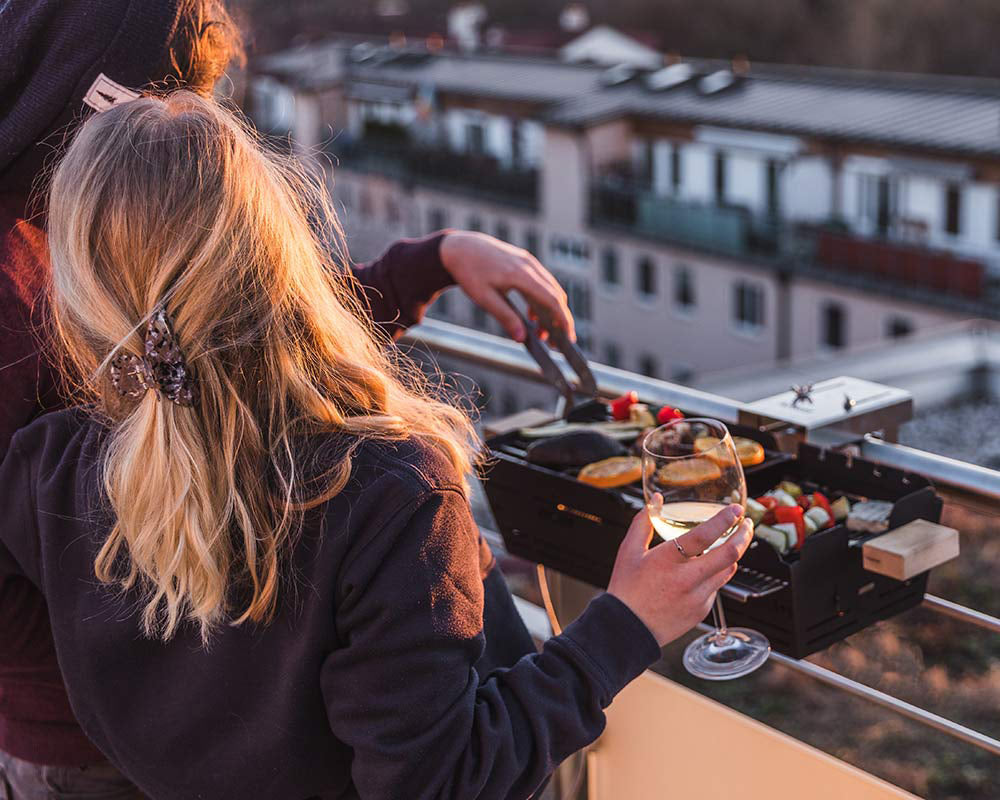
404	694
399	286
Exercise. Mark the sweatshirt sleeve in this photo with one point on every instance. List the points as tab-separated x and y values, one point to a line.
400	284
403	692
18	536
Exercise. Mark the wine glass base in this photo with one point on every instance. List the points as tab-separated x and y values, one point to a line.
721	658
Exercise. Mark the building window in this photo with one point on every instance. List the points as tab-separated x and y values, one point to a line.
584	342
612	354
437	219
676	175
503	231
531	241
771	189
748	306
646	277
684	297
953	209
720	177
609	267
833	332
898	327
474	223
475	139
647	365
479	319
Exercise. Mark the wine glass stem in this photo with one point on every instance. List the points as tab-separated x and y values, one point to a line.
719	616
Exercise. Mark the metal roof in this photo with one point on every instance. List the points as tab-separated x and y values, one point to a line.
954	115
924	118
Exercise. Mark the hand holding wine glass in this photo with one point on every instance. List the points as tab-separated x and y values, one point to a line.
690	471
669	593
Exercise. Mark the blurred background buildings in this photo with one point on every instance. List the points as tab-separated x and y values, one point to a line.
704	216
719	219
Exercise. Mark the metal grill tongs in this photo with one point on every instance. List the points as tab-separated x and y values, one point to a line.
539	350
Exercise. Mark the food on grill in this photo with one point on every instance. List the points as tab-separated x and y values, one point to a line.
612	472
573	449
871	516
620	405
779	511
783	498
688	472
840	508
776	538
748	451
668	414
794	516
623	430
819	517
640	414
755	510
791	488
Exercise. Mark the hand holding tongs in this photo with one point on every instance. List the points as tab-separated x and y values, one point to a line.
540	352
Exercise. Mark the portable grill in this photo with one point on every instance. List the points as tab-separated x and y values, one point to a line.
803	601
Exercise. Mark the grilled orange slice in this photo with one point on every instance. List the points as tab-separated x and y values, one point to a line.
748	451
688	472
612	472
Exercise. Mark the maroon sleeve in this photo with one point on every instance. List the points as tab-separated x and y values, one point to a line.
27	378
400	284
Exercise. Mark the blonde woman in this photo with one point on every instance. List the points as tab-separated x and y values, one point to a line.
253	535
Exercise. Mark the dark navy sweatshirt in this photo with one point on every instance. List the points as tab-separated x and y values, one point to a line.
375	680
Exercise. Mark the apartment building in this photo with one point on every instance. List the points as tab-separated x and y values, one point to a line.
701	215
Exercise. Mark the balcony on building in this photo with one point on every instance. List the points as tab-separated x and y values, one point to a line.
420	158
894	254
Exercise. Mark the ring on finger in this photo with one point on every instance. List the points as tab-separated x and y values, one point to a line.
680	548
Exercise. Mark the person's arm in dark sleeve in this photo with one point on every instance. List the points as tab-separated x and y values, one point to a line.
18	535
400	284
403	692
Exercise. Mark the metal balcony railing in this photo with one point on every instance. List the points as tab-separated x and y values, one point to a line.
918	271
437	167
952	478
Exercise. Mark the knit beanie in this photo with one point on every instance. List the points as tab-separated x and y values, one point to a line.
63	59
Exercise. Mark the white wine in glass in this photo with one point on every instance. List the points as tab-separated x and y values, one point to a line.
691	472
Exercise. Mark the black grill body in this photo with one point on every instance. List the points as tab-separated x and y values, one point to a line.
802	602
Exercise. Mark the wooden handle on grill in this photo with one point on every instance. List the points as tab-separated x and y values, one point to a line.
910	549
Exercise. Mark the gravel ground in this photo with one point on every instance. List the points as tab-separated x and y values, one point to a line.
968	432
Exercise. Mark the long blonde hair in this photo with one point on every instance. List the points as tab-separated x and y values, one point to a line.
171	200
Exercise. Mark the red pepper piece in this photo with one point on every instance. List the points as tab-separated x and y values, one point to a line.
793	514
621	405
805	501
820	500
668	414
770	503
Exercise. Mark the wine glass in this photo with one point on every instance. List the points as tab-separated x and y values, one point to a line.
690	473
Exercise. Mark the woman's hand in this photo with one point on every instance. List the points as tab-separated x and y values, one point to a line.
486	268
671	593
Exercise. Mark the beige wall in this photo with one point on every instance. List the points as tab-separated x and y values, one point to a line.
866	320
609	142
564	181
665	741
700	339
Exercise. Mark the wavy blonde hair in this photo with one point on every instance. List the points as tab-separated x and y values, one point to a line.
171	200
